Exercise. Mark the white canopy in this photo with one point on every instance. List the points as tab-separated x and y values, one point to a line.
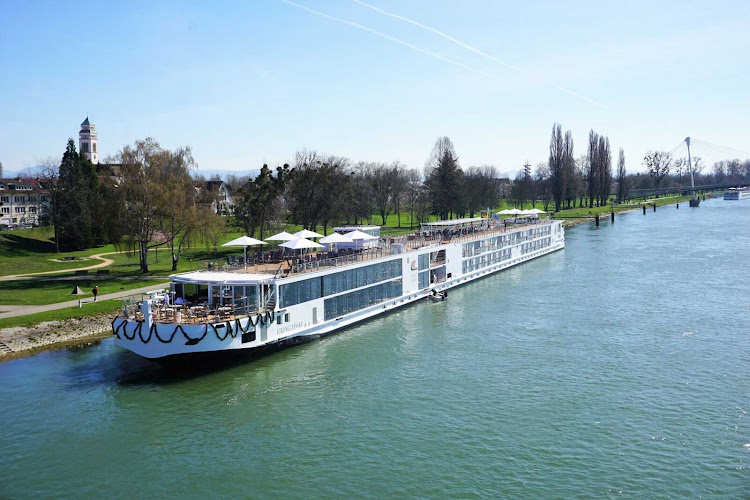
535	211
300	243
243	241
512	211
336	238
282	236
306	233
359	235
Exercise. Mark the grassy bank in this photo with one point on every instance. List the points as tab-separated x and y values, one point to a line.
40	292
92	309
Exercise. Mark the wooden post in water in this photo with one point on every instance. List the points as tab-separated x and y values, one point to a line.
644	209
596	220
654	207
678	206
613	217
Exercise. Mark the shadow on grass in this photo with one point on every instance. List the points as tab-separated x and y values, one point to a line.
12	245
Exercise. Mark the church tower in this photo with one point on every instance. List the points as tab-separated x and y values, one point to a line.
87	141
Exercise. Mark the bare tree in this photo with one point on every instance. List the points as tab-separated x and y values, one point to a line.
557	165
657	164
605	170
382	178
415	190
399	188
592	163
543	184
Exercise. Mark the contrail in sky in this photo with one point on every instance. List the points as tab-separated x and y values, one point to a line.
387	37
467	47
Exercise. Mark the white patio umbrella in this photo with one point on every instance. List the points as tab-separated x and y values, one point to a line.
300	244
359	235
306	233
282	236
334	238
536	211
243	241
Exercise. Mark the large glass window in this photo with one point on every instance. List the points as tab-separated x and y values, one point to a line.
300	291
342	281
360	299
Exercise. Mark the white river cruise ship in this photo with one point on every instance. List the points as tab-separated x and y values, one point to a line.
738	193
232	308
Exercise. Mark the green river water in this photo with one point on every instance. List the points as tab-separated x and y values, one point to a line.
618	367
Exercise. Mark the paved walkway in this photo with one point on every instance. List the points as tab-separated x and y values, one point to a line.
12	311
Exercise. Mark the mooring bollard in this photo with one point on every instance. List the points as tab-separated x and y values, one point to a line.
596	220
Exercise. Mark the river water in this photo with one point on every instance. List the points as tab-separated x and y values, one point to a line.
619	366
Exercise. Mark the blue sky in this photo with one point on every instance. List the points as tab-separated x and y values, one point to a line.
247	83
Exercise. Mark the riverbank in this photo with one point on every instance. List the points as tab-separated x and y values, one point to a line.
19	341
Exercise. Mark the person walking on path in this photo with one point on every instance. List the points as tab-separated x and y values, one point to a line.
95	291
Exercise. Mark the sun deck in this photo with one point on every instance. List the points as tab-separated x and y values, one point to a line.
432	234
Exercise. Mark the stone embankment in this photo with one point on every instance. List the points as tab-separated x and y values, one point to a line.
20	340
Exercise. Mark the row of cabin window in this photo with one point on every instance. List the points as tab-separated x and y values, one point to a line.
477	247
470	265
315	288
361	299
535	245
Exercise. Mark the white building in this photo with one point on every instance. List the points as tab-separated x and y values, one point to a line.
22	201
87	142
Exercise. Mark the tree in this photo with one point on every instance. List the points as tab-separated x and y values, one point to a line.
313	189
75	183
159	201
382	179
569	168
399	188
259	202
605	170
543	184
557	158
657	164
414	192
622	180
443	178
520	192
592	164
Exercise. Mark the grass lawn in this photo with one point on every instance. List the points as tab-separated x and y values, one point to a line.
38	292
103	307
32	250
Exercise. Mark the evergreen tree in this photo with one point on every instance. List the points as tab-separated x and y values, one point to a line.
75	199
444	177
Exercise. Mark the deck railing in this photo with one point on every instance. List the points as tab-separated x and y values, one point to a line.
293	266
